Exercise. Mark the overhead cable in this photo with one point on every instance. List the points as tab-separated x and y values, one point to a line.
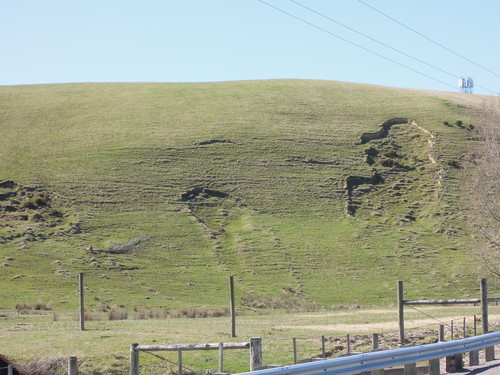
429	39
385	45
355	44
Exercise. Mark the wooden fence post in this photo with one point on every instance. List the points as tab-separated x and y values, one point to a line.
72	366
232	306
441	332
489	351
375	348
82	304
134	360
452	331
323	351
255	353
221	357
401	312
295	360
484	304
179	361
348	344
374	341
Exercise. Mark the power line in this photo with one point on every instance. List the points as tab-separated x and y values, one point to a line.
384	44
373	39
429	39
355	44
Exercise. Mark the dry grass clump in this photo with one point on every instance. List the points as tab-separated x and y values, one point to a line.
152	313
200	313
291	300
23	306
42	305
39	305
124	248
117	313
50	366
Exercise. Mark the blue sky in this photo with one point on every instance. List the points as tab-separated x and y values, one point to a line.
56	41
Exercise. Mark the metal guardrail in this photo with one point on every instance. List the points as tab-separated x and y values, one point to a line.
387	358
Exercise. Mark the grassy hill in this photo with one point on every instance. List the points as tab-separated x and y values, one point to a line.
182	185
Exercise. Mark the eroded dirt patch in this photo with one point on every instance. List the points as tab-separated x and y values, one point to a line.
32	213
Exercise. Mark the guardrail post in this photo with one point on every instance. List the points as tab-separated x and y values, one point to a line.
255	353
410	369
454	363
134	360
474	358
490	353
72	366
434	367
10	370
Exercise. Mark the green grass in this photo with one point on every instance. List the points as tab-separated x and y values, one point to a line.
104	346
117	157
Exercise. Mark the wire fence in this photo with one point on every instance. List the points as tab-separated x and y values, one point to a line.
277	350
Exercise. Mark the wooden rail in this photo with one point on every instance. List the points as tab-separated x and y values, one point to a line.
254	345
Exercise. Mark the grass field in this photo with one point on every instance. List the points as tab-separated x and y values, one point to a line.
114	160
104	347
179	186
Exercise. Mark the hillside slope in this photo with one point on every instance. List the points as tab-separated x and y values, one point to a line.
181	185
